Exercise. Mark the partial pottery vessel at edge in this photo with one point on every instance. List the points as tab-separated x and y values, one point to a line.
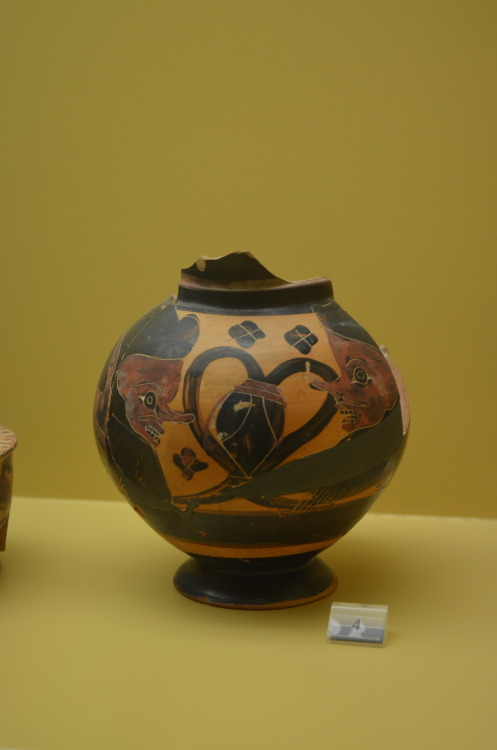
8	442
251	422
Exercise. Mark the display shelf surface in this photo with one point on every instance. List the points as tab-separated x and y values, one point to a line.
100	651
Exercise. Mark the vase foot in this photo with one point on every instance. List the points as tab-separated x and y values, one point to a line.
266	590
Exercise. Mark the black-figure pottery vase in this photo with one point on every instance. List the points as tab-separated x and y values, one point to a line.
251	422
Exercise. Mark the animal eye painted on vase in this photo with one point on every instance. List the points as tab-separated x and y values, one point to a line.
148	379
148	385
366	387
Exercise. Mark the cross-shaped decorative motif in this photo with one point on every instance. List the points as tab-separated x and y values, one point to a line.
301	338
246	333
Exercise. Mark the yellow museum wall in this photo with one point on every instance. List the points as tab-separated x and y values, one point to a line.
353	140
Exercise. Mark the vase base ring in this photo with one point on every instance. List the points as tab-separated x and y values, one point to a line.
203	584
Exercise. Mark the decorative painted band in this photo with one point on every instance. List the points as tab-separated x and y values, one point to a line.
226	551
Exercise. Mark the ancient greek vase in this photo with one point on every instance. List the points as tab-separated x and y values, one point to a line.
8	442
251	422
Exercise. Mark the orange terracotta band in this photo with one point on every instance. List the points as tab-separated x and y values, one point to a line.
197	548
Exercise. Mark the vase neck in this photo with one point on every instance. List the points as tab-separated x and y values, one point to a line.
238	283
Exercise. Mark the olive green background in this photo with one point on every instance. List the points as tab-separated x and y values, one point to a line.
355	140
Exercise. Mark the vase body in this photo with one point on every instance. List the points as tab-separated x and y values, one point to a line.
251	422
8	442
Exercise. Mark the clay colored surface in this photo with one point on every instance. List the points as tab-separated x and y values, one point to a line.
101	652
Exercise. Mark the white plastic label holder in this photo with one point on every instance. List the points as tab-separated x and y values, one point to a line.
362	624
